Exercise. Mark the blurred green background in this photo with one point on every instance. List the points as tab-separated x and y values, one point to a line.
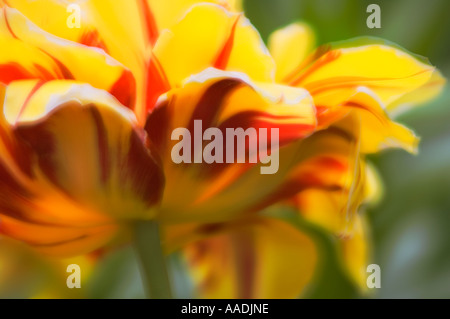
411	225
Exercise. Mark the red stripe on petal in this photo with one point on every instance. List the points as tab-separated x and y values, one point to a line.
125	89
66	74
150	23
27	100
142	168
224	56
327	58
92	38
211	103
103	148
8	25
13	72
157	125
288	131
40	142
157	83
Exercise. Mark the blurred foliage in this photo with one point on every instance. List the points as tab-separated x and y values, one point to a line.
410	225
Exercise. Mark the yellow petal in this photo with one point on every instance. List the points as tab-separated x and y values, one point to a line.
389	72
49	15
332	178
101	19
378	132
424	94
229	42
224	100
290	46
167	13
262	258
35	54
373	185
356	252
325	183
125	30
72	158
119	27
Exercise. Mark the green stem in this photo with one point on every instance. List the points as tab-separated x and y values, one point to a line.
153	264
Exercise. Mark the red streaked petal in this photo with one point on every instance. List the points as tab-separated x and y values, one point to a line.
35	54
88	165
224	100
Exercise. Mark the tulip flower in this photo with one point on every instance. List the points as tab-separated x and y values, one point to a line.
87	123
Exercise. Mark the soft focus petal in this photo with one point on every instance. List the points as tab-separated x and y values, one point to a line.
356	249
104	24
422	95
224	100
73	162
387	71
208	36
290	46
373	185
167	13
261	258
324	183
378	132
35	54
362	79
50	15
125	30
101	19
